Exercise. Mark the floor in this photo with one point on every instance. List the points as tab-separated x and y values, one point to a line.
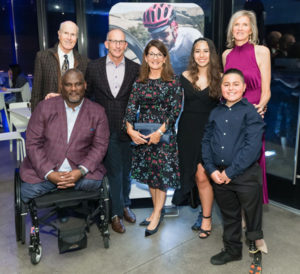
174	249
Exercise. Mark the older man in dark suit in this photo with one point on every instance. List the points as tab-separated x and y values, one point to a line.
66	141
50	64
109	80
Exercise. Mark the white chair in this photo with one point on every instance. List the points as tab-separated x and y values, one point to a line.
9	136
3	107
26	93
14	120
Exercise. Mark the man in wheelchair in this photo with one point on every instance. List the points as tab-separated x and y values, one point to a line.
66	141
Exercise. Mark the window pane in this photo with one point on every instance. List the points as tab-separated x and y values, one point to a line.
57	12
27	33
6	54
281	33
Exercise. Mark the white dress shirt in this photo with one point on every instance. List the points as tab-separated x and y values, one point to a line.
62	58
71	119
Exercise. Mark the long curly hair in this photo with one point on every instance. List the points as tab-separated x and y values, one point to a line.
213	70
167	71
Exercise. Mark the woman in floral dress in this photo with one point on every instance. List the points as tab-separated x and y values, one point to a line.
157	95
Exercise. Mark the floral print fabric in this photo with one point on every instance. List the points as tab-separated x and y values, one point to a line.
158	102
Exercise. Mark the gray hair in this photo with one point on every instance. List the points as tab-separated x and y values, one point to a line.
113	29
251	15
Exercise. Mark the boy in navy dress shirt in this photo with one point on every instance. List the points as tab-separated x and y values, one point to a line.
231	147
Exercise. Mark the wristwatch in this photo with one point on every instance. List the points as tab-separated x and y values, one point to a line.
82	171
160	132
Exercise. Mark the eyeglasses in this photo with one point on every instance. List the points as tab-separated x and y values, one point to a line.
157	55
121	42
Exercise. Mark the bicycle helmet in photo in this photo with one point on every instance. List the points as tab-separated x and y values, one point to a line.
158	17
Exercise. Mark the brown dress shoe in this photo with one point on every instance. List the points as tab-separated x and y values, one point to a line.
117	224
129	216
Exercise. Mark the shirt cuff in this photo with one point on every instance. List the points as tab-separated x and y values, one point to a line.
85	169
48	174
211	168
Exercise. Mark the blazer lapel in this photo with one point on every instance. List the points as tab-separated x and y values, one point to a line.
63	121
104	80
125	79
77	126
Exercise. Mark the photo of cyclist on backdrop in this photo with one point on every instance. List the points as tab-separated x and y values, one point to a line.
176	25
160	20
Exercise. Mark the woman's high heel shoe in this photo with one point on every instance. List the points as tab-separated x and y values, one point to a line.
149	232
205	232
146	223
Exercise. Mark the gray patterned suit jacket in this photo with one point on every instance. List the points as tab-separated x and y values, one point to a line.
47	74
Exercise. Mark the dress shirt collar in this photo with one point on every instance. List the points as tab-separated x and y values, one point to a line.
109	61
242	101
61	54
76	108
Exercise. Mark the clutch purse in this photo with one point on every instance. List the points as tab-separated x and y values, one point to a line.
148	128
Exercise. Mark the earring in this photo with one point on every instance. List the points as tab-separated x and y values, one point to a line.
250	38
232	38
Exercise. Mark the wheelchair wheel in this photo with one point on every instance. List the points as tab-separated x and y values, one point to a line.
19	218
106	197
36	256
106	241
20	227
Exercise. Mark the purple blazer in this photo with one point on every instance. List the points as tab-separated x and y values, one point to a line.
46	140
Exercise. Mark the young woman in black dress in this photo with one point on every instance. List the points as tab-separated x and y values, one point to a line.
201	83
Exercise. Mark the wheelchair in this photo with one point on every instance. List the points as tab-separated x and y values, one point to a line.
55	201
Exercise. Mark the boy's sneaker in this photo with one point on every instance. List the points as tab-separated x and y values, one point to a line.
224	257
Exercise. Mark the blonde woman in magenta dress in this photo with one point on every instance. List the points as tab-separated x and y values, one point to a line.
255	63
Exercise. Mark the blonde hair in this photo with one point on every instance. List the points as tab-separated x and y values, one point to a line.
254	36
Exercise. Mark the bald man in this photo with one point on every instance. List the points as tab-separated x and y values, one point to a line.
66	141
50	64
109	82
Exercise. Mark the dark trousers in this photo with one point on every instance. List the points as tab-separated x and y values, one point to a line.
118	165
243	192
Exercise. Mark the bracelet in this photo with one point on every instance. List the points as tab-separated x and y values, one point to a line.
160	132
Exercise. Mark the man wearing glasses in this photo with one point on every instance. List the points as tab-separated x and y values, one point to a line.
109	82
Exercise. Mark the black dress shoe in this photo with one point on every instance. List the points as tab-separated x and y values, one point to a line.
144	223
224	257
149	232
